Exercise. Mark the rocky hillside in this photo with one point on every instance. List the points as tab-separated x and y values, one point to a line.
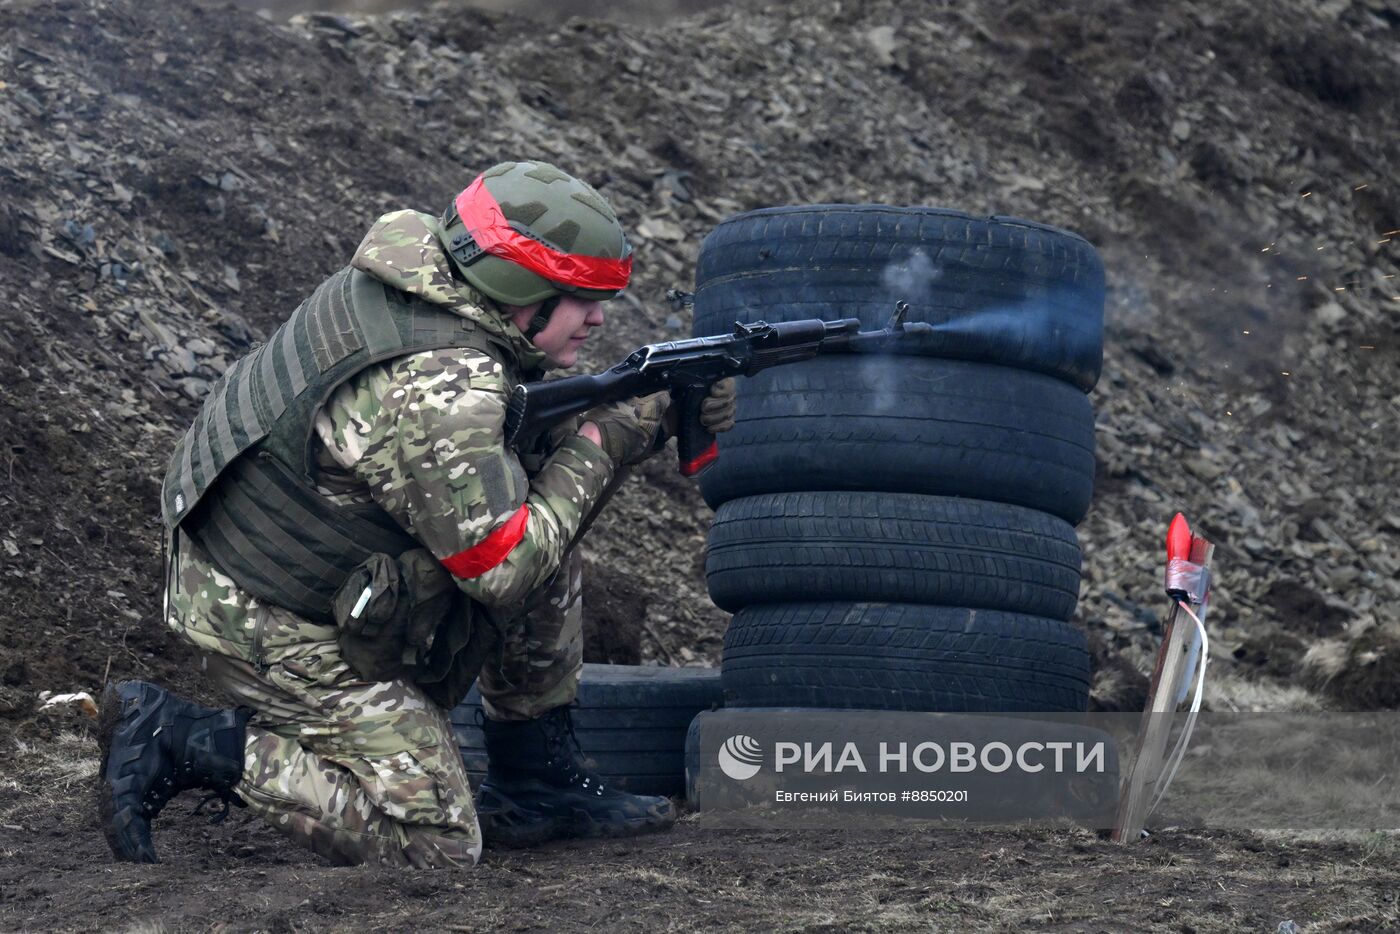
175	177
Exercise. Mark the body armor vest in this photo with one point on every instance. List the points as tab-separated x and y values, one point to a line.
240	481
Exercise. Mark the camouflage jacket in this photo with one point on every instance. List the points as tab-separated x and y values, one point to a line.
423	437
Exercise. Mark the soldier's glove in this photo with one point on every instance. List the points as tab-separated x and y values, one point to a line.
630	428
717	411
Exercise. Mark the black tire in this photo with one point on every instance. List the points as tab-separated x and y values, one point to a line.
903	656
630	721
1003	290
909	425
892	547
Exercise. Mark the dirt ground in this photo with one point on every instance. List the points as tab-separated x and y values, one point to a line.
174	178
243	876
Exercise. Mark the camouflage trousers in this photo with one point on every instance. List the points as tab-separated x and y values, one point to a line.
363	771
540	653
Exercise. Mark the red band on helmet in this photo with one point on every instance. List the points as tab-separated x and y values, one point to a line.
487	225
490	551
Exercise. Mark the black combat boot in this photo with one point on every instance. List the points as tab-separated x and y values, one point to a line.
155	745
537	788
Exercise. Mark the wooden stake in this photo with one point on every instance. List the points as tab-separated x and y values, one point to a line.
1155	731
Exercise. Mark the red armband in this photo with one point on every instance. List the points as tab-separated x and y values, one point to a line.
490	551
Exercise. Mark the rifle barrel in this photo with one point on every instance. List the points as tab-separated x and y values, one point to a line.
881	341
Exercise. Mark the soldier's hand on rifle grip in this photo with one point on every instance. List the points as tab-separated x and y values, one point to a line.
717	409
699	413
627	430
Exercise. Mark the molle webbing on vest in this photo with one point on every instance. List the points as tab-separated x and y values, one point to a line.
240	481
285	543
269	398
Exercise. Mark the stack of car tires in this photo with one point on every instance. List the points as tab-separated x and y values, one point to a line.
896	531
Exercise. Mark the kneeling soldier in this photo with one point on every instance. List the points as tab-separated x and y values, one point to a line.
353	543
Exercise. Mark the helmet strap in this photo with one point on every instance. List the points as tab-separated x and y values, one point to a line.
541	318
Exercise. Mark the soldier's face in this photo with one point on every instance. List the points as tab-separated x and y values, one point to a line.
569	326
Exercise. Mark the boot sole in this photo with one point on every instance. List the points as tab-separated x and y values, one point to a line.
585	827
107	721
534	827
498	829
519	838
115	823
578	826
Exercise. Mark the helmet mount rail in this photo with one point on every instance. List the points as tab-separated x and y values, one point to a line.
465	250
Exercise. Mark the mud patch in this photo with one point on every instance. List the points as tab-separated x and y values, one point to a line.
1275	656
615	609
1117	684
1302	609
1361	673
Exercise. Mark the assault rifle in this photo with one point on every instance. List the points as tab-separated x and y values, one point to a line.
688	368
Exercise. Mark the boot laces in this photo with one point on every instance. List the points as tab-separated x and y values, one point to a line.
184	739
158	797
565	751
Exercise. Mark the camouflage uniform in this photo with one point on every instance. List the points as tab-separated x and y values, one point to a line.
362	770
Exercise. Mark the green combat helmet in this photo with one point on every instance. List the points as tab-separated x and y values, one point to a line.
525	232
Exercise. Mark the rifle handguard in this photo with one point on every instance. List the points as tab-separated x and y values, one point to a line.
689	367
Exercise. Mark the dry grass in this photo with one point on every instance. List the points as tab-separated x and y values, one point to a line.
1379	843
1226	690
53	772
